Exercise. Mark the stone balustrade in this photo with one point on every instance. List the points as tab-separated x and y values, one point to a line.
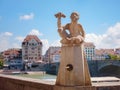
8	82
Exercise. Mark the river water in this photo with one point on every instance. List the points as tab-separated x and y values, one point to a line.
38	76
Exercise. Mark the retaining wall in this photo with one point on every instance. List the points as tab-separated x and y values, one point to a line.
8	82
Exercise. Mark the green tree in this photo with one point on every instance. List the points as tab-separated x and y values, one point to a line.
1	63
1	60
114	57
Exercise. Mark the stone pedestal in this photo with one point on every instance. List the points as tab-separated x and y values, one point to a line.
73	70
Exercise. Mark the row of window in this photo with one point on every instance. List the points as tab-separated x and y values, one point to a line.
26	43
89	50
32	48
32	52
32	58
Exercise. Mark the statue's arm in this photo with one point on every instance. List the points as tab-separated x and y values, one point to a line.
82	31
62	31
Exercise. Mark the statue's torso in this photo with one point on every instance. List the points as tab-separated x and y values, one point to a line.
74	29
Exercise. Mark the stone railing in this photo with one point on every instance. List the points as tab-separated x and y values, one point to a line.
8	82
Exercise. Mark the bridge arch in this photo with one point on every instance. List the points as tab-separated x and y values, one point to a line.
110	70
104	63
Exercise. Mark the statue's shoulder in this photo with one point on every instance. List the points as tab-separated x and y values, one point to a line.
67	25
79	25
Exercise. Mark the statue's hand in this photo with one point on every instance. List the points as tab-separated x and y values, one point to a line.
76	40
61	33
60	30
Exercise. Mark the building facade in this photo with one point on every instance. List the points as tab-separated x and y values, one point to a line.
12	54
103	54
89	50
32	49
52	54
117	51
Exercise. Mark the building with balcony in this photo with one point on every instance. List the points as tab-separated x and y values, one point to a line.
52	54
12	54
89	50
32	49
117	51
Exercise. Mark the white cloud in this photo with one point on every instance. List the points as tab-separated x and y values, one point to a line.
56	43
96	39
20	39
111	39
16	45
4	44
7	41
45	45
8	34
35	32
27	16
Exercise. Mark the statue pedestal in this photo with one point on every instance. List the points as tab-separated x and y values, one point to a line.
73	70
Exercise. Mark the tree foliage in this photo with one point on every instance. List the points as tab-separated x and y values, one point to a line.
1	60
114	57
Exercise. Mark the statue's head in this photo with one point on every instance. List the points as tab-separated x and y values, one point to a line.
74	16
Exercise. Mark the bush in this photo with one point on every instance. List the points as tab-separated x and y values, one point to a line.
1	63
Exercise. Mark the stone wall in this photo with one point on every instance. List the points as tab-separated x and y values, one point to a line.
108	88
8	82
93	68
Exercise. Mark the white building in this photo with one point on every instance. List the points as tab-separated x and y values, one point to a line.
53	54
117	51
32	49
89	49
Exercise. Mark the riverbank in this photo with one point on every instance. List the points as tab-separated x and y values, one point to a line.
10	72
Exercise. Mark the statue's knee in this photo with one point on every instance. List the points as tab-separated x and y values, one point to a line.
64	41
78	41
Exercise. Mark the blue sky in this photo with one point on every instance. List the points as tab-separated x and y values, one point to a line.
18	18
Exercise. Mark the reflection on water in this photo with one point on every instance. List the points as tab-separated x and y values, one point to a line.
48	77
38	76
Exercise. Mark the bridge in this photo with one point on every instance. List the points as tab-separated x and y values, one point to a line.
104	67
96	67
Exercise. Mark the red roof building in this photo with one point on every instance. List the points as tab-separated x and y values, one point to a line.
102	54
11	54
32	49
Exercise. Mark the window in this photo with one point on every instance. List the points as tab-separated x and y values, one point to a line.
33	44
32	48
